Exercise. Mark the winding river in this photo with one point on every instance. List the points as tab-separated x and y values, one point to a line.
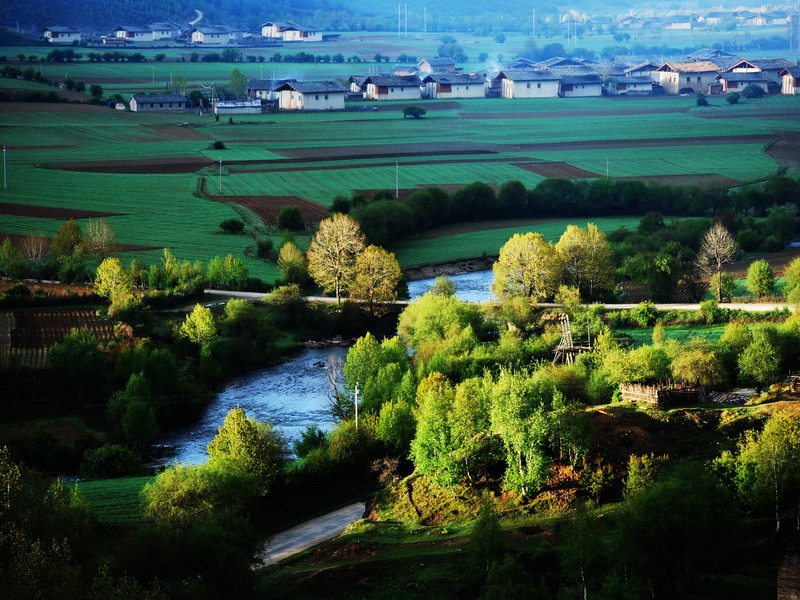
291	395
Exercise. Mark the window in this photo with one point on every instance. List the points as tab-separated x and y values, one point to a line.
539	85
688	80
316	96
326	96
698	80
528	85
161	105
391	90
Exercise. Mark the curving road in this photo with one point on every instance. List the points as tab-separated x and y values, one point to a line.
310	533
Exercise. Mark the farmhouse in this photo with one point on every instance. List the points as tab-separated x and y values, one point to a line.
405	70
58	34
736	82
134	33
288	31
645	69
210	35
560	61
358	84
580	85
237	107
165	31
311	95
694	76
264	89
522	63
437	65
771	67
159	103
790	81
640	85
453	85
390	87
678	22
528	83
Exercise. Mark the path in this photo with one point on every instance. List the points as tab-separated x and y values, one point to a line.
311	532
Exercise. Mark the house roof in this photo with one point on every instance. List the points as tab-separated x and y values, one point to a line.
453	78
586	79
645	66
709	53
560	61
700	66
134	28
764	64
279	24
265	84
730	76
159	98
212	30
527	75
793	71
636	80
62	29
439	62
312	87
522	63
393	80
164	26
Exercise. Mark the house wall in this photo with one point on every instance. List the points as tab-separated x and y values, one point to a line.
163	34
375	92
292	100
144	106
673	82
455	90
270	31
686	25
62	38
582	90
790	86
136	36
738	86
210	38
621	89
529	89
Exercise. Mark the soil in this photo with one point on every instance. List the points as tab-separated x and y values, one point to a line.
269	207
51	289
786	150
47	212
556	169
777	260
16	238
144	166
706	181
573	114
171	133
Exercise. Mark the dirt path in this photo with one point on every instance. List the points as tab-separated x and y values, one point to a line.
311	532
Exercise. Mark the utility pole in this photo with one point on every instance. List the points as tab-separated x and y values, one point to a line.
425	19
356	405
5	176
398	21
533	24
405	10
220	176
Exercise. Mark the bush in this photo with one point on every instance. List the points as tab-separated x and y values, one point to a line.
732	98
753	91
412	110
701	99
644	314
109	461
232	226
218	145
290	218
265	248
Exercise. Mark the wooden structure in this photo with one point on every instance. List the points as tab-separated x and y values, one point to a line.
659	395
567	349
794	383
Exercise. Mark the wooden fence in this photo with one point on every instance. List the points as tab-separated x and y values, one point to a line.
661	394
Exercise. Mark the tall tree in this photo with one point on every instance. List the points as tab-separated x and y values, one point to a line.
377	274
199	327
67	239
112	280
698	363
586	260
759	363
293	264
332	253
760	278
526	267
717	249
99	238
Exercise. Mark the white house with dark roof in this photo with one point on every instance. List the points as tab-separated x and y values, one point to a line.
771	67
164	31
135	33
210	35
289	31
678	22
735	82
453	85
790	81
391	87
236	107
58	34
580	85
159	103
697	76
640	85
527	83
645	69
311	95
437	65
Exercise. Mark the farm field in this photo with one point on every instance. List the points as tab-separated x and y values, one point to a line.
682	333
115	501
160	181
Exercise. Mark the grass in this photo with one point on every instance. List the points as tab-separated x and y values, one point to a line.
431	250
644	335
115	501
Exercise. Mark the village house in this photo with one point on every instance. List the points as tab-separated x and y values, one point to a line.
522	63
405	70
770	67
453	85
165	31
390	87
687	77
716	17
580	85
287	31
236	107
210	35
134	33
264	89
678	22
58	34
528	83
357	84
560	61
790	81
437	65
736	82
641	85
311	95
645	69
159	103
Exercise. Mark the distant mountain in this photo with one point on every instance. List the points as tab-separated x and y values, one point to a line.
104	14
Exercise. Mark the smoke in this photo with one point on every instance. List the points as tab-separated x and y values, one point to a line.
198	19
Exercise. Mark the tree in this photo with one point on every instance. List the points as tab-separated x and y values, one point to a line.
250	447
230	271
526	267
139	424
698	363
79	366
717	248
232	226
412	110
292	264
67	239
112	280
486	537
791	275
586	259
332	253
760	278
732	98
12	263
443	286
290	218
237	82
725	284
759	363
199	328
377	274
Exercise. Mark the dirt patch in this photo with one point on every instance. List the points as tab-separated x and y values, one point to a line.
786	150
269	207
706	181
178	133
50	289
147	166
556	169
49	212
777	260
46	328
16	238
574	113
66	434
371	165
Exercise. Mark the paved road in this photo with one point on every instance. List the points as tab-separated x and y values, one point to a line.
743	306
311	533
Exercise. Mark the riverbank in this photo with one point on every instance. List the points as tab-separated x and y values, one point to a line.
469	265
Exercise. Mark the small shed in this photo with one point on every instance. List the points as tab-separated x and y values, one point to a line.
311	95
58	34
237	107
453	85
437	65
391	87
159	103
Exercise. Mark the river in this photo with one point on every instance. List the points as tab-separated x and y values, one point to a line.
291	395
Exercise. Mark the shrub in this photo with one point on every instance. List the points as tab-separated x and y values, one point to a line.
290	218
412	110
109	461
701	99
753	91
232	226
218	145
732	98
644	314
265	248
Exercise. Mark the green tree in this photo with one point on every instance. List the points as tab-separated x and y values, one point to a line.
112	280
291	218
760	278
67	239
79	366
586	260
230	271
527	267
139	424
250	447
759	363
431	318
791	275
698	363
200	328
486	537
377	274
443	286
332	253
292	264
11	262
232	225
414	111
237	82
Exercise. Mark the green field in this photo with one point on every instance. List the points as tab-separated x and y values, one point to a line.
115	501
644	335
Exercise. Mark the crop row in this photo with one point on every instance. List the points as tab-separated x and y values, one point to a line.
44	329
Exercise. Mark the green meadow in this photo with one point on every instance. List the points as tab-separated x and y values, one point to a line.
115	501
